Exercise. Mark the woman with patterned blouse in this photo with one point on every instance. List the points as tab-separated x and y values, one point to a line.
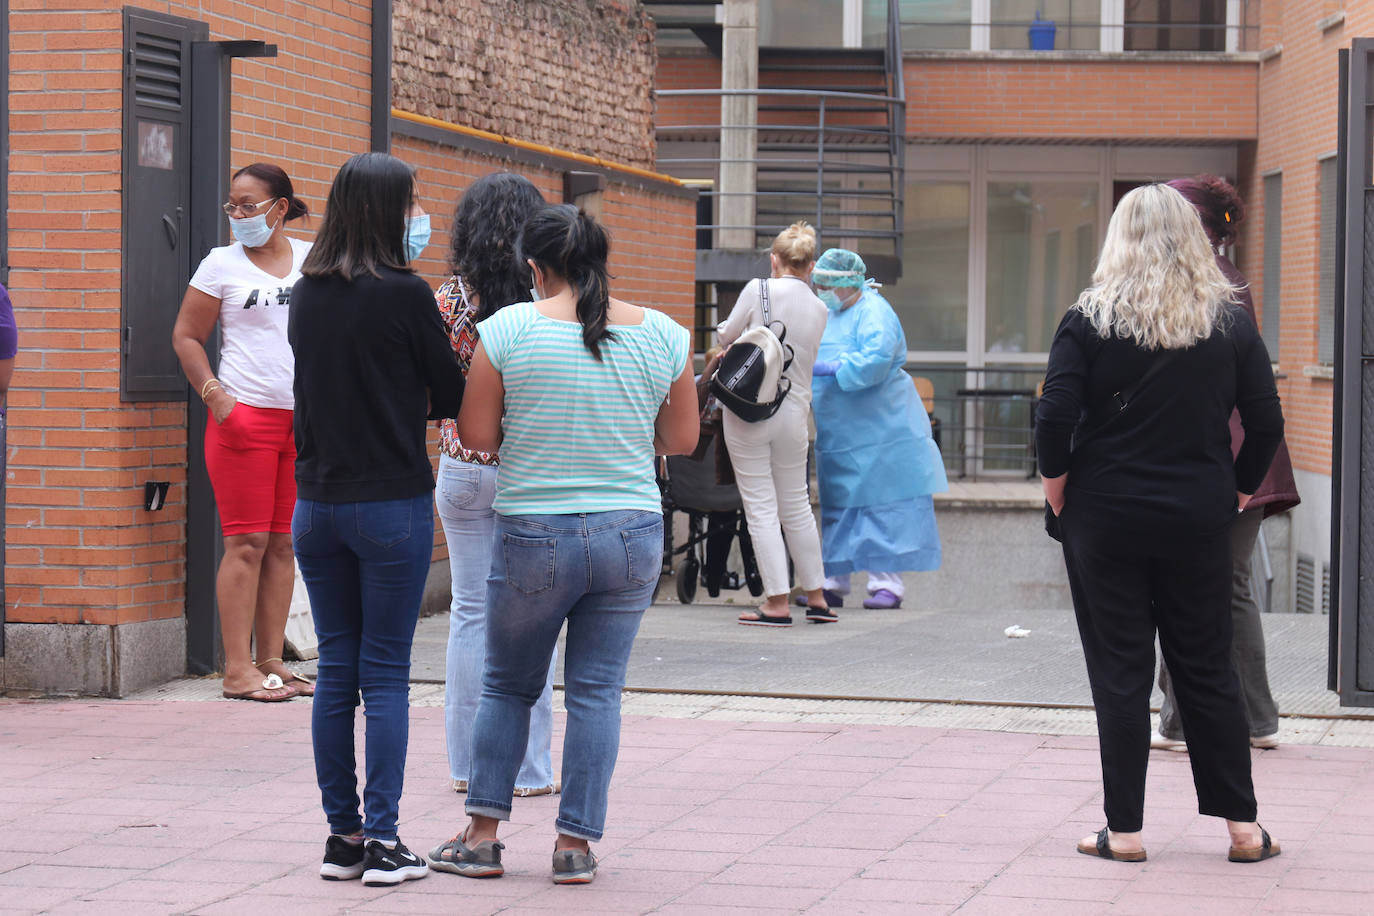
487	276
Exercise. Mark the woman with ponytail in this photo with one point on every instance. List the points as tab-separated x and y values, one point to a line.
579	391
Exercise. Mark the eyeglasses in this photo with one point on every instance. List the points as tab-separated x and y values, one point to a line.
247	209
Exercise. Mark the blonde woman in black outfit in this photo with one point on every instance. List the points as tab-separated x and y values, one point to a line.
1135	456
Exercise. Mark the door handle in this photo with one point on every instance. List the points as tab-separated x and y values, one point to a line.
171	229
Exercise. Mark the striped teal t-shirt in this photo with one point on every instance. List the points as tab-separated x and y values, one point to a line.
578	435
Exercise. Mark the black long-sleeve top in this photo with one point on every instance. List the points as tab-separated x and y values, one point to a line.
370	354
1161	466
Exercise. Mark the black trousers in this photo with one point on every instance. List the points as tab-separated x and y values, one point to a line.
1181	588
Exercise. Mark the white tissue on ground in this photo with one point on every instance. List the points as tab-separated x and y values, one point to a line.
1016	632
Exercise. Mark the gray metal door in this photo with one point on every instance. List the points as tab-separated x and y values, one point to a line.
1352	454
157	199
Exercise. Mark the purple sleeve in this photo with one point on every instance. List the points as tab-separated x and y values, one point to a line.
9	336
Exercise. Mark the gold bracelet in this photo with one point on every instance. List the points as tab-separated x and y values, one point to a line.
206	389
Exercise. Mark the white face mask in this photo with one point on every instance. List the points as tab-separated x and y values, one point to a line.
253	231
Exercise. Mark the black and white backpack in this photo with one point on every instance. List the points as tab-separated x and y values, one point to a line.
748	380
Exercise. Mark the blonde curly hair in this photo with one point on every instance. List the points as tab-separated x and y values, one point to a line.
1157	280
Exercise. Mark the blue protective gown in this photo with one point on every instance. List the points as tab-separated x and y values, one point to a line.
876	462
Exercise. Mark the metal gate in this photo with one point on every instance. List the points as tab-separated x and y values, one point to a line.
1351	664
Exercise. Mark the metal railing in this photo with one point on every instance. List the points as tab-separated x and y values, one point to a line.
984	419
816	137
1086	35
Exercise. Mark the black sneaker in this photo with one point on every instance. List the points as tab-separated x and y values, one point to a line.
573	866
382	866
343	861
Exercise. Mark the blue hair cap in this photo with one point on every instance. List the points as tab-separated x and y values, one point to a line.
839	267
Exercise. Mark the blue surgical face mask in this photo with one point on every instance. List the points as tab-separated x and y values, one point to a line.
831	299
252	232
417	235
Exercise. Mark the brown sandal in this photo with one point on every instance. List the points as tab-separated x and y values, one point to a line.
1267	849
1103	849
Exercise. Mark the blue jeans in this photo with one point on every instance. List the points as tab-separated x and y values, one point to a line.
597	571
463	496
364	565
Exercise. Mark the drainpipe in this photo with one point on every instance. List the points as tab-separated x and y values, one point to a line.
381	76
739	69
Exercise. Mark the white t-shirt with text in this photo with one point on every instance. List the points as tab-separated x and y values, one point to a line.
255	361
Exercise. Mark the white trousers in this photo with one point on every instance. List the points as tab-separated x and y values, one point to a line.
770	470
891	581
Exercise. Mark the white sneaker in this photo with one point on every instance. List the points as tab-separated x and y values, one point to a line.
1265	742
1161	743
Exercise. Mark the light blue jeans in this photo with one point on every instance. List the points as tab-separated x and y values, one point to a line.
463	494
598	572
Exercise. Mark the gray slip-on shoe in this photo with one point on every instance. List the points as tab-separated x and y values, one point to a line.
481	860
572	866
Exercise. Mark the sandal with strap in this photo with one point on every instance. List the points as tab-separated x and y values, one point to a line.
760	619
1267	849
265	693
301	684
1102	848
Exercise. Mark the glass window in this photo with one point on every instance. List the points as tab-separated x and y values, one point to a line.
1273	259
1042	244
801	24
933	24
932	296
1175	25
1326	263
1043	25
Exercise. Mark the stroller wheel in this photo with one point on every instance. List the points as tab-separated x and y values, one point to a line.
687	579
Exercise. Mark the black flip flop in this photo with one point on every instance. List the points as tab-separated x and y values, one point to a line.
768	620
821	615
1267	849
1103	849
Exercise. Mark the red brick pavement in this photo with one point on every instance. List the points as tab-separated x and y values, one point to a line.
211	808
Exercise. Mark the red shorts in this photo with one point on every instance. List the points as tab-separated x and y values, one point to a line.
251	459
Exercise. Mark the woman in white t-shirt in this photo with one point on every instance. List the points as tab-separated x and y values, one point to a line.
769	456
250	451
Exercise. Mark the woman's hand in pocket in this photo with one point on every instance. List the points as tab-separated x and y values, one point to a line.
1054	488
220	403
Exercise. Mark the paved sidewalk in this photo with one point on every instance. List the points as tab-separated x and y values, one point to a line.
210	807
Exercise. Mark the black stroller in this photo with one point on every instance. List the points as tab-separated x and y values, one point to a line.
715	518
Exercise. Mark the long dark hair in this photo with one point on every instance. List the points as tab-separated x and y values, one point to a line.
278	185
364	225
1217	203
567	242
486	226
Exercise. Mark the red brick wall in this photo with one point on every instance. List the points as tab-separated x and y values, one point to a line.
80	546
1097	100
1298	115
653	256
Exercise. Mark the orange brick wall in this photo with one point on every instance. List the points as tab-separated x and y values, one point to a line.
1097	100
1298	115
81	549
653	254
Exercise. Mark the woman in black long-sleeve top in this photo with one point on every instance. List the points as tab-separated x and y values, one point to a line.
1135	457
372	364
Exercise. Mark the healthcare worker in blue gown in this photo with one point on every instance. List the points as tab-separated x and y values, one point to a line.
876	462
